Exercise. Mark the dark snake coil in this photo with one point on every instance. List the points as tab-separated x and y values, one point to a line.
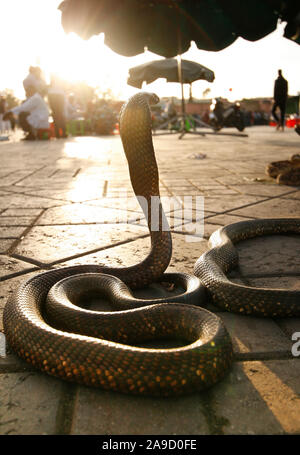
213	265
45	326
100	348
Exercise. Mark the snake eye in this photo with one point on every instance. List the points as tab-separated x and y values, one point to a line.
151	97
154	99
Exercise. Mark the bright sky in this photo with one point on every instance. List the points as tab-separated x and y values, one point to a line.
32	35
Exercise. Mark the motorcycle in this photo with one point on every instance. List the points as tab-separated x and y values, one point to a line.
226	117
103	120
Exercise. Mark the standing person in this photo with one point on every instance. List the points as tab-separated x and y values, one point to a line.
58	104
171	110
33	114
2	107
2	112
280	97
35	78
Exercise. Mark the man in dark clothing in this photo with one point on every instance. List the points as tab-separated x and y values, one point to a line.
2	105
57	103
280	97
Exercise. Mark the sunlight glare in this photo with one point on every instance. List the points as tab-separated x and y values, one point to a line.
286	406
244	69
92	157
88	148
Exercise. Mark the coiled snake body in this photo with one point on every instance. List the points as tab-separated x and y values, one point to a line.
44	325
213	265
110	361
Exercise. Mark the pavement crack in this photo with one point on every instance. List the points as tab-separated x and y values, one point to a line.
20	273
24	233
96	250
215	422
76	173
29	175
105	186
267	355
66	409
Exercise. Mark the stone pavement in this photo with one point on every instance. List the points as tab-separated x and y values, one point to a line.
70	202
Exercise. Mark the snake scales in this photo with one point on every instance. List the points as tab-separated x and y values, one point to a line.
45	326
213	265
103	353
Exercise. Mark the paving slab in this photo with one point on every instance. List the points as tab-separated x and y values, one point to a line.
265	189
8	286
277	254
256	337
17	221
82	214
11	232
24	200
5	244
10	265
292	195
226	203
71	194
21	213
53	243
14	176
199	228
286	282
28	403
183	259
259	398
291	327
280	208
183	416
225	219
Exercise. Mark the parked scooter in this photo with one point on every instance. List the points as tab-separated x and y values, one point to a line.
221	117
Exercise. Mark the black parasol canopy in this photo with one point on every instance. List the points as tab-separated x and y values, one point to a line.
167	27
168	69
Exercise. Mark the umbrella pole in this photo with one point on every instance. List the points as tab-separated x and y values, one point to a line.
180	79
181	84
183	130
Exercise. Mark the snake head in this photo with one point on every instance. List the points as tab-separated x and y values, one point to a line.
152	98
140	99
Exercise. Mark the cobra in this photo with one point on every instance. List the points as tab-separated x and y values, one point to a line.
45	326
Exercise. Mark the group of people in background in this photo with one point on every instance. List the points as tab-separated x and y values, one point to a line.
33	114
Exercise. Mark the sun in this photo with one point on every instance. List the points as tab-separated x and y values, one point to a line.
72	58
75	59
